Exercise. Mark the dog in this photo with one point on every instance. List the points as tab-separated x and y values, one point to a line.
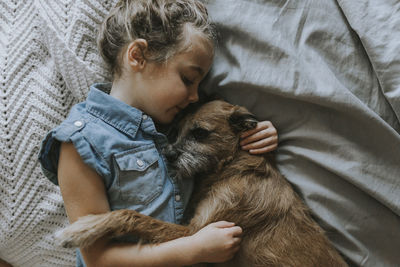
232	185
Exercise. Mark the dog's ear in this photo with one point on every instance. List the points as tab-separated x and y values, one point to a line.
242	120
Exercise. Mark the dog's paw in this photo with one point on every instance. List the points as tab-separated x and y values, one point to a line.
64	239
82	233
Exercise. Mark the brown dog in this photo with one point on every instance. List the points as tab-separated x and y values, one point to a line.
232	186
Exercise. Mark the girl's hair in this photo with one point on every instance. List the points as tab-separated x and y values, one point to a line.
162	23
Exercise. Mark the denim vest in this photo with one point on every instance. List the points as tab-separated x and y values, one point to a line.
123	146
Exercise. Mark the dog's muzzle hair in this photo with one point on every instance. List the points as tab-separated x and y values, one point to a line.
189	161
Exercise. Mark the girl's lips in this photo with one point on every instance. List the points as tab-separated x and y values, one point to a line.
177	109
180	108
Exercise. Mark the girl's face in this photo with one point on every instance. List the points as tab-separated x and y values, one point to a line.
167	88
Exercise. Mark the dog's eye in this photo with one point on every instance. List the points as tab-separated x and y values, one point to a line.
200	133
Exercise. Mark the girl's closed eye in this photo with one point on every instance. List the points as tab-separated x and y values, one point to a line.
187	81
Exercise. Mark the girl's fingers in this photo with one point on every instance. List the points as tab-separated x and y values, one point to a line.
260	140
256	136
237	240
263	150
261	143
236	231
260	126
263	134
223	224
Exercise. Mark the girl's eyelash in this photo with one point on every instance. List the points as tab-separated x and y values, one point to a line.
187	81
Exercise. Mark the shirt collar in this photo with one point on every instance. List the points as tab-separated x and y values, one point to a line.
118	114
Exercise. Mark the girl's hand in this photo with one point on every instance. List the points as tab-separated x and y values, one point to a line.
216	242
262	139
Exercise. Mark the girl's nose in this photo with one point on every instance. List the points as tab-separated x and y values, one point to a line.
193	96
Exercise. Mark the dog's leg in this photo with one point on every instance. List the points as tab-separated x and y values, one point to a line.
86	230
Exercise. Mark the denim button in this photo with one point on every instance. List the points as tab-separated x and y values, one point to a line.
140	163
78	123
144	116
178	198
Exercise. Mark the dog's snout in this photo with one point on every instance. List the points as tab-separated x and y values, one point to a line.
171	153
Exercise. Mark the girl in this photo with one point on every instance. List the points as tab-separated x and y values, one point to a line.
107	154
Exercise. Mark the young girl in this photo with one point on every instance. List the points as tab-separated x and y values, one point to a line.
107	154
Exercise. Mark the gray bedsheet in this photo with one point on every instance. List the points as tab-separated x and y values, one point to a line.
327	74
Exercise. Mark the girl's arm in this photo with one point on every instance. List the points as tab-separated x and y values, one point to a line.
4	263
84	193
262	139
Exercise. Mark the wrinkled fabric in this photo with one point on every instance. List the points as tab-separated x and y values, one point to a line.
326	73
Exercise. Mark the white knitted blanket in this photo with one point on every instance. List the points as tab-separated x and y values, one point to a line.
48	59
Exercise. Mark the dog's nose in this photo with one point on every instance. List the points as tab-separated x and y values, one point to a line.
171	154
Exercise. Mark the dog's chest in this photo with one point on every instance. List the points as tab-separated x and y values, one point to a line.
232	199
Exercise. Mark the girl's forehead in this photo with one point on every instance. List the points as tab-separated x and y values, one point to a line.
200	52
193	35
195	41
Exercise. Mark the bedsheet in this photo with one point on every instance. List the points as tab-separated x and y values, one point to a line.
327	74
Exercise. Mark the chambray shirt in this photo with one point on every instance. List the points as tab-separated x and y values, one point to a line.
123	146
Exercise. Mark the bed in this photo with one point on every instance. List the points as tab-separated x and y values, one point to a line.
325	72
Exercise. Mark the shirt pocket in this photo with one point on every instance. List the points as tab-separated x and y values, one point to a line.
139	175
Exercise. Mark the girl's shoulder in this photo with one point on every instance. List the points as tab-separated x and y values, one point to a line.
98	142
75	129
74	122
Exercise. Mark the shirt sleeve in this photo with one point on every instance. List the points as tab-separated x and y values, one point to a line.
71	130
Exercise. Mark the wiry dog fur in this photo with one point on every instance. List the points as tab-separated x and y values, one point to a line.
233	185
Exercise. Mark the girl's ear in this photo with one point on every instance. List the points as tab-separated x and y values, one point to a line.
242	120
136	54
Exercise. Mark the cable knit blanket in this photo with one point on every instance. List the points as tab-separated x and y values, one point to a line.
48	59
326	72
